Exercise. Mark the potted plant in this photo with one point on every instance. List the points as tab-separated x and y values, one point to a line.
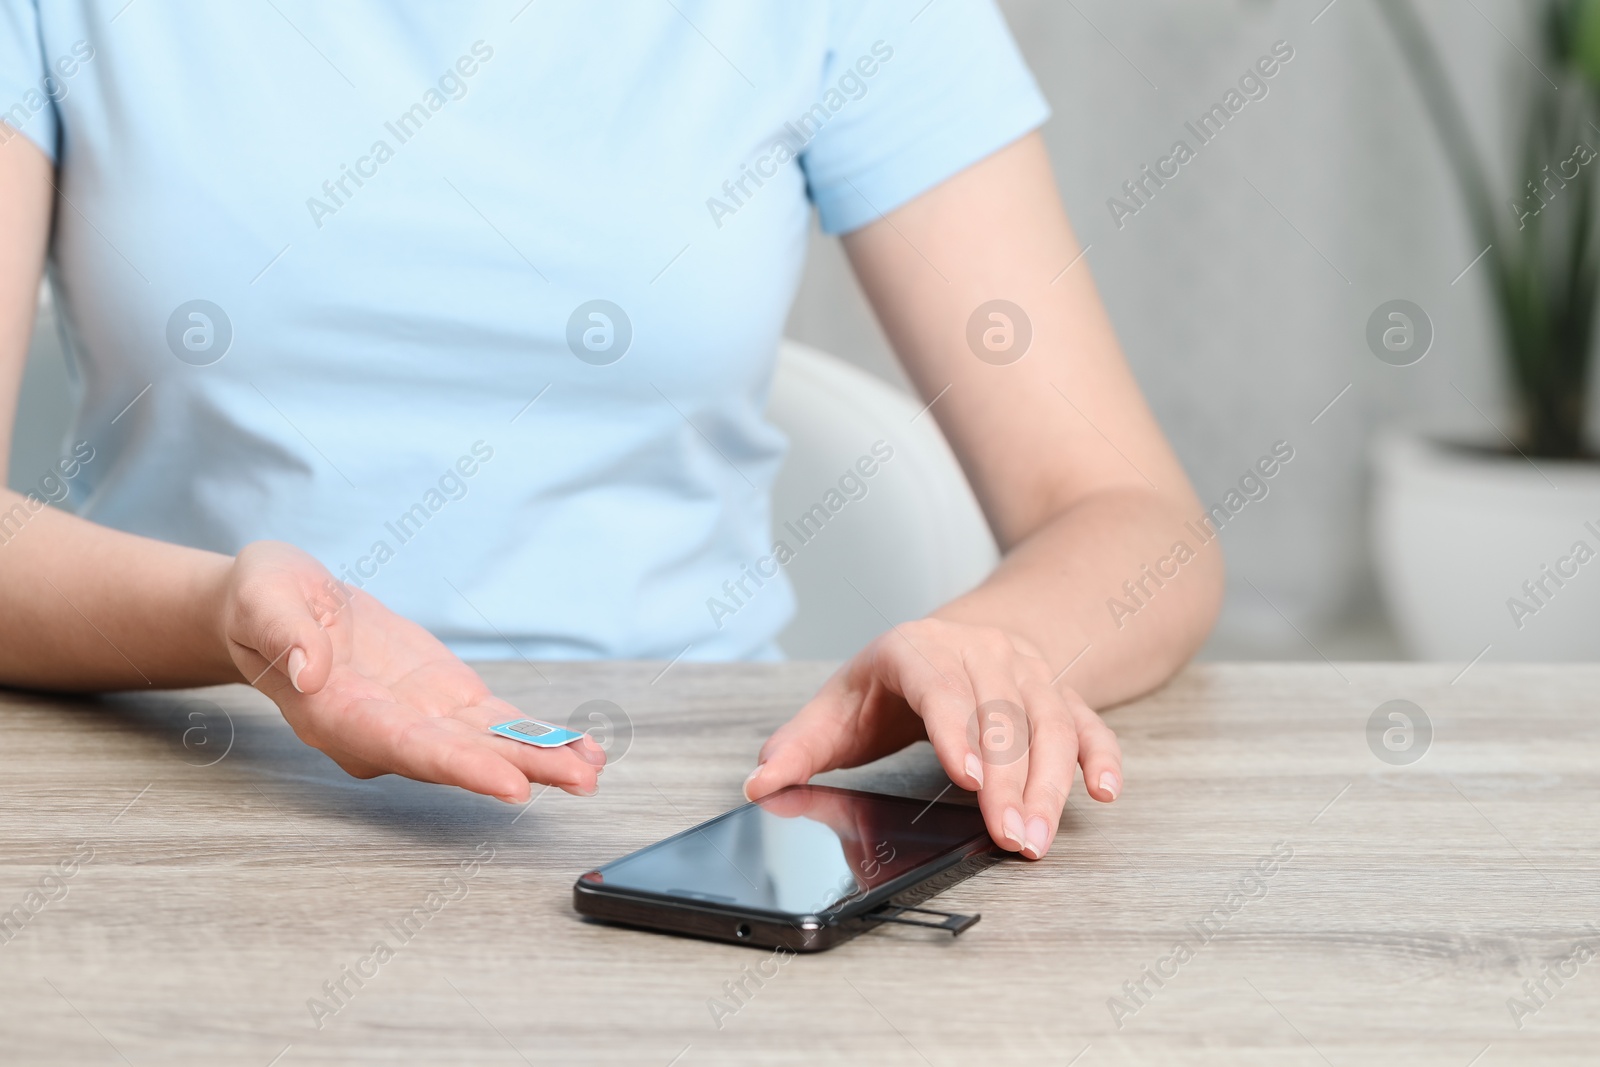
1492	547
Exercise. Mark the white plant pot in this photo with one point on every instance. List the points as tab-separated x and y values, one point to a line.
1480	551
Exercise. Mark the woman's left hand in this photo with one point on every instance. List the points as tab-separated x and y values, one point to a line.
983	698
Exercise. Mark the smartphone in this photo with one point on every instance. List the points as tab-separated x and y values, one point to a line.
806	868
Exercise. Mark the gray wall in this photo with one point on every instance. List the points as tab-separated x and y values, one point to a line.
1241	291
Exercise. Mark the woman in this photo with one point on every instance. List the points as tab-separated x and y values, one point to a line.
409	334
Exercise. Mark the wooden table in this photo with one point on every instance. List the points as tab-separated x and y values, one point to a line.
212	895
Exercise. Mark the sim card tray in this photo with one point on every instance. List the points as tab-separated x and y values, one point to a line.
893	913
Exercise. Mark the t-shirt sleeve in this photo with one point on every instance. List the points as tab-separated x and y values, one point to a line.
26	104
913	92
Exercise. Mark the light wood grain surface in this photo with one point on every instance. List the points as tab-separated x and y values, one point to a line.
234	872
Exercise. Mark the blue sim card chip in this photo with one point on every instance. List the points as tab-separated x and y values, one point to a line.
538	734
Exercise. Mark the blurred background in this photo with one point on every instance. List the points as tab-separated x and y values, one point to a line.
1242	292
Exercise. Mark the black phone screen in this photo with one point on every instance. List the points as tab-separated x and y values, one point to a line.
800	851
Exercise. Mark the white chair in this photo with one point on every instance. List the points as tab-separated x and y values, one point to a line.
915	540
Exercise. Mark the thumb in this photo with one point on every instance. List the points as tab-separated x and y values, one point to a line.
803	746
287	639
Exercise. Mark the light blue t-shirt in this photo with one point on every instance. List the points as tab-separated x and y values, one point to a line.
477	302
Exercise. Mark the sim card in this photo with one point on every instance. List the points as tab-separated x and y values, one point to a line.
537	734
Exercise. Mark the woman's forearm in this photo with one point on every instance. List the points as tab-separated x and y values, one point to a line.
1121	586
83	607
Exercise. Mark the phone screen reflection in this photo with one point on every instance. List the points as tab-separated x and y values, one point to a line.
801	851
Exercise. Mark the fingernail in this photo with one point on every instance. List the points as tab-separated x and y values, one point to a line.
1011	823
1109	784
752	777
1038	837
592	754
297	663
975	770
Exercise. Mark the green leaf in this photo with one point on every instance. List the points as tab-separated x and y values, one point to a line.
1586	45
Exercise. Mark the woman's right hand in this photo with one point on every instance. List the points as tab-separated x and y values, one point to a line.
375	692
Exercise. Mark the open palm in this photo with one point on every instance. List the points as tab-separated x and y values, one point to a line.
375	692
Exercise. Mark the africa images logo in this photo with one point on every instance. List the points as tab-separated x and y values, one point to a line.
599	332
451	85
199	332
1140	190
786	147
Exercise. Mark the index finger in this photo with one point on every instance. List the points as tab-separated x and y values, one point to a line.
935	683
449	751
